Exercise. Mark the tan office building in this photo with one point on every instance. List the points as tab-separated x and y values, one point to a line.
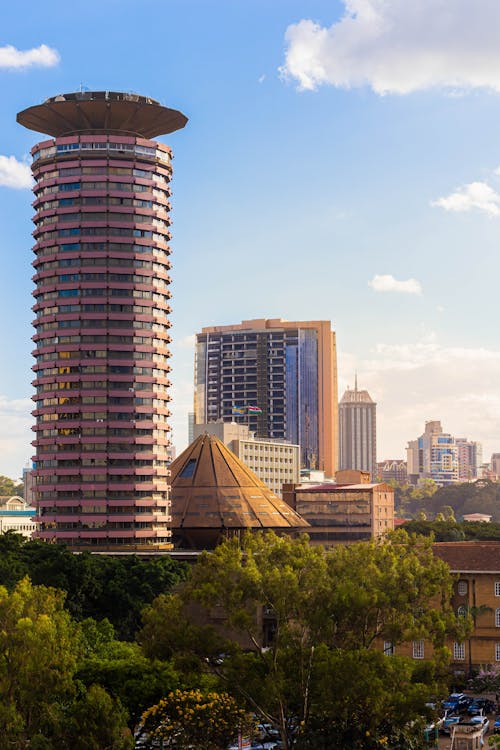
279	376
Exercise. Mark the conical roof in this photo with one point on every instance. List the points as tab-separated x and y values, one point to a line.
213	490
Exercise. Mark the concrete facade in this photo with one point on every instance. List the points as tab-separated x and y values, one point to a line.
358	432
17	515
343	513
434	455
102	304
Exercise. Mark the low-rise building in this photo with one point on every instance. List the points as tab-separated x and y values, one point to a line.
475	565
16	515
344	512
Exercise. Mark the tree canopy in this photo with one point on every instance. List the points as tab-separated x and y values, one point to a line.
97	586
329	614
11	487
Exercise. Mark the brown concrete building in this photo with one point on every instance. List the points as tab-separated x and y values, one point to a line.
476	590
214	495
476	566
343	513
279	376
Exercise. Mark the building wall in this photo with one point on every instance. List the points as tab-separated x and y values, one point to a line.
17	515
275	463
343	514
392	469
102	334
287	369
476	589
434	455
358	432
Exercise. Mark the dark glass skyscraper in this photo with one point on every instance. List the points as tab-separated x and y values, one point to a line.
282	374
102	326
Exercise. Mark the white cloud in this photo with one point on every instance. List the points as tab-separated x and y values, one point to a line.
476	196
387	283
15	435
398	46
421	380
12	58
14	173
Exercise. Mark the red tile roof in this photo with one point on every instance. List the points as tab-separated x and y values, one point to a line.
474	556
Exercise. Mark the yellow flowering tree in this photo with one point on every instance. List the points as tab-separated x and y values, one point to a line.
187	718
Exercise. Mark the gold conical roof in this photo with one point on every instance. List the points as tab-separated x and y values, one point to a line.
213	490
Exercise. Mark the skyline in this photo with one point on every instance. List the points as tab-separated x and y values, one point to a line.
304	187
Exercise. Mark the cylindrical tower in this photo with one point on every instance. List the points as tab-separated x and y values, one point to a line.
102	326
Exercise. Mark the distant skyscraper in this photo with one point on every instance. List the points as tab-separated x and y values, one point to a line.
102	319
358	432
470	458
495	464
393	469
434	455
280	375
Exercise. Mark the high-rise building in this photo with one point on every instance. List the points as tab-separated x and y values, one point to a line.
434	455
280	377
102	319
495	465
470	458
393	469
358	431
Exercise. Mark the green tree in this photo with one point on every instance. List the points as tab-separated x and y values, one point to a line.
342	603
11	487
96	586
97	722
39	649
123	670
190	718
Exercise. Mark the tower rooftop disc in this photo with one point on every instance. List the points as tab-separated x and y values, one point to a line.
89	112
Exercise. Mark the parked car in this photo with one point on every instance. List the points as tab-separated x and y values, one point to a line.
496	725
457	702
481	721
481	706
449	722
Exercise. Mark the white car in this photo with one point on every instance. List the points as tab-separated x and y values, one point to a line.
483	721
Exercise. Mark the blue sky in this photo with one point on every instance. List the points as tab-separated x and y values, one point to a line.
339	163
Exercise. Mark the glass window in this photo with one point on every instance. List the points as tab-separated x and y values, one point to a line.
497	651
462	588
459	651
389	649
497	588
497	617
418	649
188	470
